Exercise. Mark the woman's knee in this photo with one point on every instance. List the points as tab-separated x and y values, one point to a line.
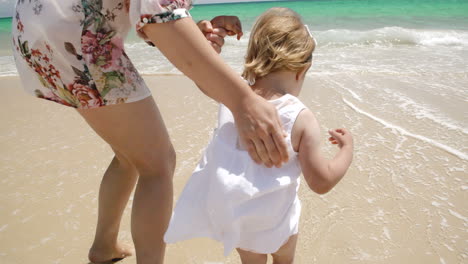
156	162
123	160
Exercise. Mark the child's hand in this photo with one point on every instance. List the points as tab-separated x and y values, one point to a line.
218	28
231	24
341	136
215	36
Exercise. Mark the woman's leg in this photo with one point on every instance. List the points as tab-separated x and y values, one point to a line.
116	187
248	257
285	255
137	131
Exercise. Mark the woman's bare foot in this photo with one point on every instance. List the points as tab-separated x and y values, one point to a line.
105	255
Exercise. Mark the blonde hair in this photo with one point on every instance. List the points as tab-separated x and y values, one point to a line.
279	41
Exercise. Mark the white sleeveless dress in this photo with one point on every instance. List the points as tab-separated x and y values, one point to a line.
233	200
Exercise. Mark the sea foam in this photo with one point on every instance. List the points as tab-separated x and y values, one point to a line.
393	36
405	132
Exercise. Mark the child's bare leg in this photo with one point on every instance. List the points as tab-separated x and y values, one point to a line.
248	257
285	255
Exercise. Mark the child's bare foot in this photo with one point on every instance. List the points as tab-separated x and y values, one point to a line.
102	255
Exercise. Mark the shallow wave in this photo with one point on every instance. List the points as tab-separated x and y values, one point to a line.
405	132
7	66
393	36
149	60
422	111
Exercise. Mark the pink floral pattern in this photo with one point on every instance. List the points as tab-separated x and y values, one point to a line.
99	71
47	74
168	10
86	96
164	11
106	55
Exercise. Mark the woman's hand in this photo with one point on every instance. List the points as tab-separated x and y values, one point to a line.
261	131
258	123
218	28
257	120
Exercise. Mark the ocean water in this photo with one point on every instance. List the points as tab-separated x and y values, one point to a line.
406	58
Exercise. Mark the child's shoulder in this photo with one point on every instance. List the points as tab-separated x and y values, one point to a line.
289	104
306	125
304	114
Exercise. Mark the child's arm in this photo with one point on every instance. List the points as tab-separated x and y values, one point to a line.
320	174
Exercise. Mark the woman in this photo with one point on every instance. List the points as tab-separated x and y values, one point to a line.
71	52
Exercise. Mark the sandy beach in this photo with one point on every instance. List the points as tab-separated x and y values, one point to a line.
402	201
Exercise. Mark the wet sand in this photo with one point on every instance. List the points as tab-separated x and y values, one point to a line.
402	201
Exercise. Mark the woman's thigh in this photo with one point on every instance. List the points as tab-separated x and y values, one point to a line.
136	130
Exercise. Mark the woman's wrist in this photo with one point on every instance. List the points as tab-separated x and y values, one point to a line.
245	102
241	101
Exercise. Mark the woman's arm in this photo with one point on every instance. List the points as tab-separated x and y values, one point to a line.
257	120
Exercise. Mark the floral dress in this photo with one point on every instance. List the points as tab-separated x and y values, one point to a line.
72	51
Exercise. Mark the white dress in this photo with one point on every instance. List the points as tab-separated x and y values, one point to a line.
231	199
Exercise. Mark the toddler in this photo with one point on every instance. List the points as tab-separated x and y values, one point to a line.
249	207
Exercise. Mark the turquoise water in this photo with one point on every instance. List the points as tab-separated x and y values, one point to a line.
355	14
5	29
323	15
5	25
334	14
326	14
374	25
